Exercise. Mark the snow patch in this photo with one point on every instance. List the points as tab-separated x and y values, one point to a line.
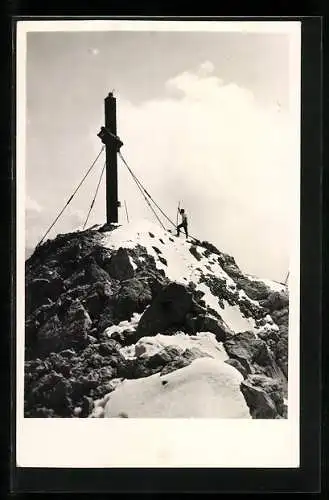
123	325
244	296
181	264
210	299
234	319
132	263
128	352
206	388
203	341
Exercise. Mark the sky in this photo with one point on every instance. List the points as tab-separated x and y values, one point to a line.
206	119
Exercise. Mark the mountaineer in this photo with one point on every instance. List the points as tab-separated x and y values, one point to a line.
183	224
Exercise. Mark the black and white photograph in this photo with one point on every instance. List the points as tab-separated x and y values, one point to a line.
158	169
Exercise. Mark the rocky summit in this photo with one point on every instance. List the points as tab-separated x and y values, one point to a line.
131	321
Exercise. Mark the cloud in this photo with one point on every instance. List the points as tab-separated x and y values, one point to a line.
228	159
206	68
31	205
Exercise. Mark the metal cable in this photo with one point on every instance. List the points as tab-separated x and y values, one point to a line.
144	189
71	197
94	199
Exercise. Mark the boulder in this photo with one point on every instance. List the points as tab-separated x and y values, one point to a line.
263	396
119	266
125	337
96	301
248	350
207	323
133	296
156	284
169	308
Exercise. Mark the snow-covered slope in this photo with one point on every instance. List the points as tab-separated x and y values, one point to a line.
182	266
134	321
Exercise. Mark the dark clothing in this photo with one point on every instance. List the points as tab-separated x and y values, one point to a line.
184	226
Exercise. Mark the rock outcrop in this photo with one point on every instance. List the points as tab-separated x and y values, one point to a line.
108	305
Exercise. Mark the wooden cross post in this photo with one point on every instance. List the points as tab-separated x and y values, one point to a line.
108	135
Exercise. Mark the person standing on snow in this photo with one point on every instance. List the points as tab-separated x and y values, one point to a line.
183	224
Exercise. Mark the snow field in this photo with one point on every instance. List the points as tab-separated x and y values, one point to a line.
206	388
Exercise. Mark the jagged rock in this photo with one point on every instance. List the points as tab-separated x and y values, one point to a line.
176	364
119	266
281	316
166	355
276	301
92	339
98	299
248	350
194	252
108	227
206	323
68	353
102	256
51	391
125	337
167	360
86	406
70	331
76	288
219	289
94	304
238	366
105	320
281	354
280	349
210	247
156	284
94	273
104	289
44	312
263	396
133	296
163	260
157	250
256	290
232	270
42	289
251	310
169	308
66	380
